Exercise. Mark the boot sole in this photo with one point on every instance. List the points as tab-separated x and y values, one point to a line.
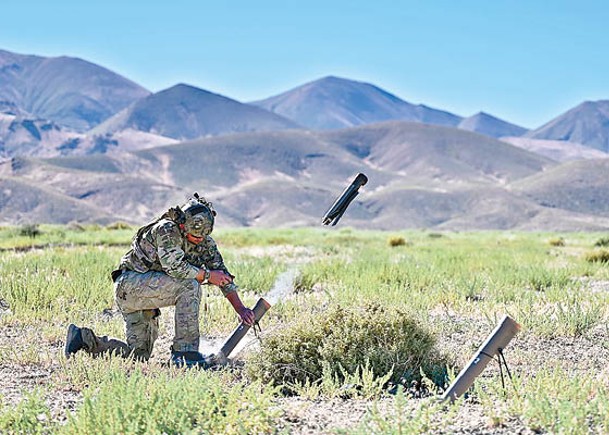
72	331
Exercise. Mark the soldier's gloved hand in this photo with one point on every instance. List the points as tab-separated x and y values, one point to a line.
247	316
219	278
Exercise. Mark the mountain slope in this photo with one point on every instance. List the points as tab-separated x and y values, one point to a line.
22	137
23	202
420	176
587	124
186	112
470	208
438	156
65	90
333	102
579	186
488	125
559	150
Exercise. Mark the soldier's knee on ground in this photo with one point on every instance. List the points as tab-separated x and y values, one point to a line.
142	329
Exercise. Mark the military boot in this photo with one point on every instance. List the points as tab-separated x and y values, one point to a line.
74	341
190	359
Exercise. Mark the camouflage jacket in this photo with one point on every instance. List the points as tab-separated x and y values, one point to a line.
161	246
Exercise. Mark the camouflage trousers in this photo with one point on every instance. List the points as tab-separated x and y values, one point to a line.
139	296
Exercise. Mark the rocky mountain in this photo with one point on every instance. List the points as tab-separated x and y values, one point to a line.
186	112
421	176
559	150
586	124
333	102
488	125
22	136
67	91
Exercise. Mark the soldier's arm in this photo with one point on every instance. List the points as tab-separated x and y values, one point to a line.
229	290
217	263
171	256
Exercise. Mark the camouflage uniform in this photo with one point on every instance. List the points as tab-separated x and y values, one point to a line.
159	271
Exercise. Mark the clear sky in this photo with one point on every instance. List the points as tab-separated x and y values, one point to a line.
523	61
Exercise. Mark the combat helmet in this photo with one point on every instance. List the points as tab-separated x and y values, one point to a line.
199	216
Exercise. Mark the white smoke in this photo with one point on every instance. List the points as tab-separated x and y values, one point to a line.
283	286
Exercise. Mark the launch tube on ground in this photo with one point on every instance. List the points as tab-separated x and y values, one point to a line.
260	309
494	344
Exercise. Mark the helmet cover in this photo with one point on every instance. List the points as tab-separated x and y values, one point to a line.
199	215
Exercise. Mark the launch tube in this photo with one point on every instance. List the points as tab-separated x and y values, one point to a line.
260	309
494	344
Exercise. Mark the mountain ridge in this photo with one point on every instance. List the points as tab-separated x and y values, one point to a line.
333	102
586	123
66	90
186	112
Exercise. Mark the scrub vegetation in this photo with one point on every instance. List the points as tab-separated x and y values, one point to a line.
371	331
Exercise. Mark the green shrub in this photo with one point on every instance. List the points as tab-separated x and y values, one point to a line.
342	340
30	230
599	256
602	242
559	241
176	402
75	226
31	415
118	226
397	241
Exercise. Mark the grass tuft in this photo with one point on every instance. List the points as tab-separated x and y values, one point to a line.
396	241
557	241
31	415
602	242
598	256
118	226
30	230
173	402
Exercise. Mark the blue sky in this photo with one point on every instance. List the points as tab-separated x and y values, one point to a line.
523	61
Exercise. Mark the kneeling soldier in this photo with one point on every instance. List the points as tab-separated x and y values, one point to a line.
170	258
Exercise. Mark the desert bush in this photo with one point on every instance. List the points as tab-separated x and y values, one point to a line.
540	278
554	400
342	340
31	415
118	226
598	256
30	230
427	416
558	242
173	402
602	242
396	241
75	226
